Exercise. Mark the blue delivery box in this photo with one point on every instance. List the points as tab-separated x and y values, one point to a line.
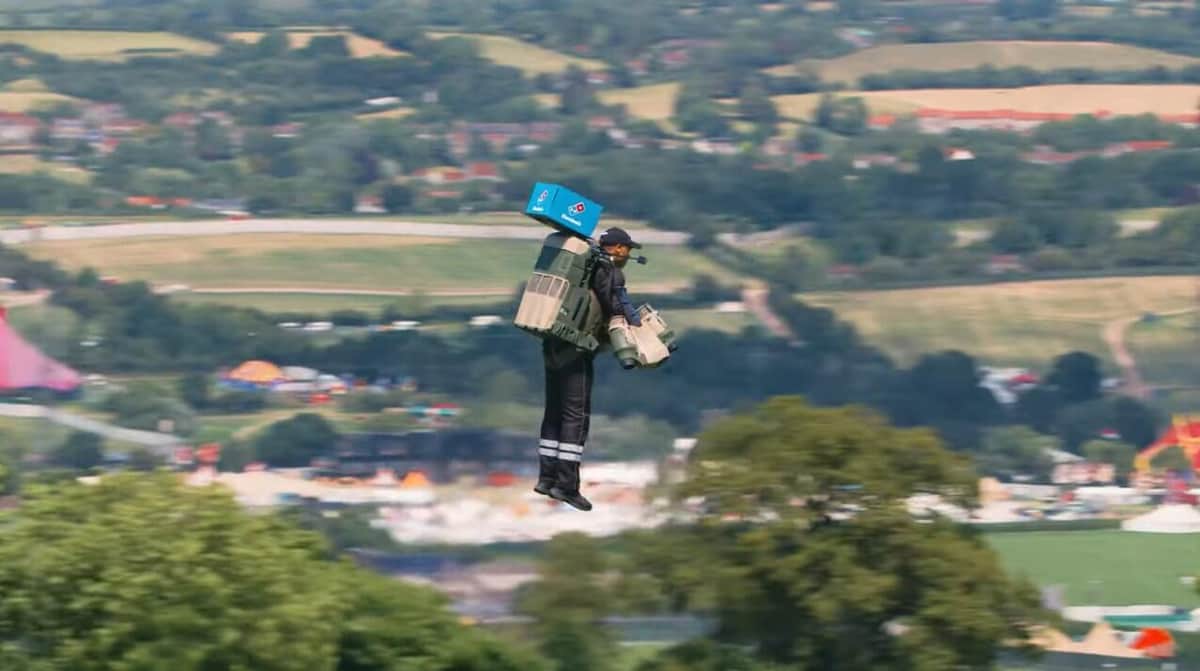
561	208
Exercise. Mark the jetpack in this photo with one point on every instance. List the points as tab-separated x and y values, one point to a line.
558	302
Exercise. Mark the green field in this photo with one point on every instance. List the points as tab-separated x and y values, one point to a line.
999	54
325	303
529	58
688	320
343	262
1165	349
1019	323
103	44
1111	568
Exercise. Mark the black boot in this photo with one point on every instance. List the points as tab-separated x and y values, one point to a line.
547	474
566	487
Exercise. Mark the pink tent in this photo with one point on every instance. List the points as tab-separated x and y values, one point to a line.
23	366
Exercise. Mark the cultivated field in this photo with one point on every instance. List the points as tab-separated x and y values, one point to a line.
24	101
529	58
803	106
1065	98
103	44
655	101
28	163
30	85
999	54
1026	323
340	262
359	46
1113	568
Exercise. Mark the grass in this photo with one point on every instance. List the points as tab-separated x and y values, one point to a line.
998	54
690	320
359	45
1118	99
629	657
1165	349
529	58
1019	323
339	262
654	101
103	44
394	113
28	163
1108	567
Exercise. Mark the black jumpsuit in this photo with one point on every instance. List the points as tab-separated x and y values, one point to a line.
569	373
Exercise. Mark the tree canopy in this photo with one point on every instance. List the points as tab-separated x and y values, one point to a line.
805	540
140	572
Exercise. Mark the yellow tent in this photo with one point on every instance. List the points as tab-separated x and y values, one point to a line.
257	372
415	479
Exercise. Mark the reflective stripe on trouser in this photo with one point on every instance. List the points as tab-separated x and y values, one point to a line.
570	452
548	448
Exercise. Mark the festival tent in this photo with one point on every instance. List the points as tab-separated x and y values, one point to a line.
257	372
1155	642
1176	518
1103	640
1183	433
23	366
415	479
300	373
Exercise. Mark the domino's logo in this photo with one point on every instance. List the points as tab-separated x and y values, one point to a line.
543	195
578	208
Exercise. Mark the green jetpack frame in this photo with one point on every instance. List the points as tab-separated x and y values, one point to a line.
558	301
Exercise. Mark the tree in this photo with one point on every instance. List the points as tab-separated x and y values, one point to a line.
235	455
296	442
397	198
272	44
805	521
327	46
142	459
1076	376
1016	450
700	655
1038	408
212	141
568	600
81	451
141	571
1172	459
1114	452
577	96
1134	421
756	106
8	477
194	389
847	116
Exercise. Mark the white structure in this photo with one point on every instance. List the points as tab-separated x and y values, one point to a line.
1175	518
